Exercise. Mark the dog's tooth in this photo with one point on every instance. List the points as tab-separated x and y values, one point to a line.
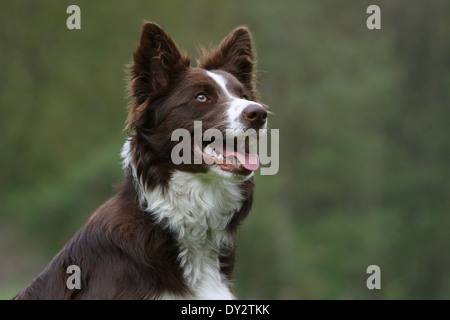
208	150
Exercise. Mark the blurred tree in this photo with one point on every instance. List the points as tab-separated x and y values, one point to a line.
363	119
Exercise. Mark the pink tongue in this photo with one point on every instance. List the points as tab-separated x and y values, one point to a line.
248	161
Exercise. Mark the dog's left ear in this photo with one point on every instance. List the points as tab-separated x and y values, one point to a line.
234	55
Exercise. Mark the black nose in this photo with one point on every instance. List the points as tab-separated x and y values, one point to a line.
255	115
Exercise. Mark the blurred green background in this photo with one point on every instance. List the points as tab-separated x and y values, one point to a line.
364	129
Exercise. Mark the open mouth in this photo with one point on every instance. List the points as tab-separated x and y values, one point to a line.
236	154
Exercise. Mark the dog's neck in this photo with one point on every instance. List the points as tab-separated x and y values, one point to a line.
195	201
198	212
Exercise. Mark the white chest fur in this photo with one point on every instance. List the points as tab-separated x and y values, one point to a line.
196	208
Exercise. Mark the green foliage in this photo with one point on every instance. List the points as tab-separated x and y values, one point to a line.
363	119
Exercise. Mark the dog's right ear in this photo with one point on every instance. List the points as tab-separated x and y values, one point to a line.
156	61
235	55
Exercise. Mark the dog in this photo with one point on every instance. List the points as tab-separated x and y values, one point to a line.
170	230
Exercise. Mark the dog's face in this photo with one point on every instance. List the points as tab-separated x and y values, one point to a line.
168	95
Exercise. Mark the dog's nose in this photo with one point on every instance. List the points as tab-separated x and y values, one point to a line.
255	114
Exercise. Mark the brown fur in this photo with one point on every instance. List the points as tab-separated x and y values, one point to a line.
121	251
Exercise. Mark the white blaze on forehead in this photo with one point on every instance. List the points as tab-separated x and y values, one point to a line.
221	82
236	105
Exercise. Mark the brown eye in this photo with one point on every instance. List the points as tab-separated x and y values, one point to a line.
201	97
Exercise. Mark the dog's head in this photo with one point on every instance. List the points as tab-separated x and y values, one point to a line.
217	96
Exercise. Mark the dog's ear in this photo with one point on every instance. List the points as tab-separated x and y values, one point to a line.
156	62
157	59
234	55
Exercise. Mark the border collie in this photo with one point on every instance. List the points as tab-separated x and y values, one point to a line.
170	231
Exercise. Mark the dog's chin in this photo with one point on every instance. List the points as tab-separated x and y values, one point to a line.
215	166
230	175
